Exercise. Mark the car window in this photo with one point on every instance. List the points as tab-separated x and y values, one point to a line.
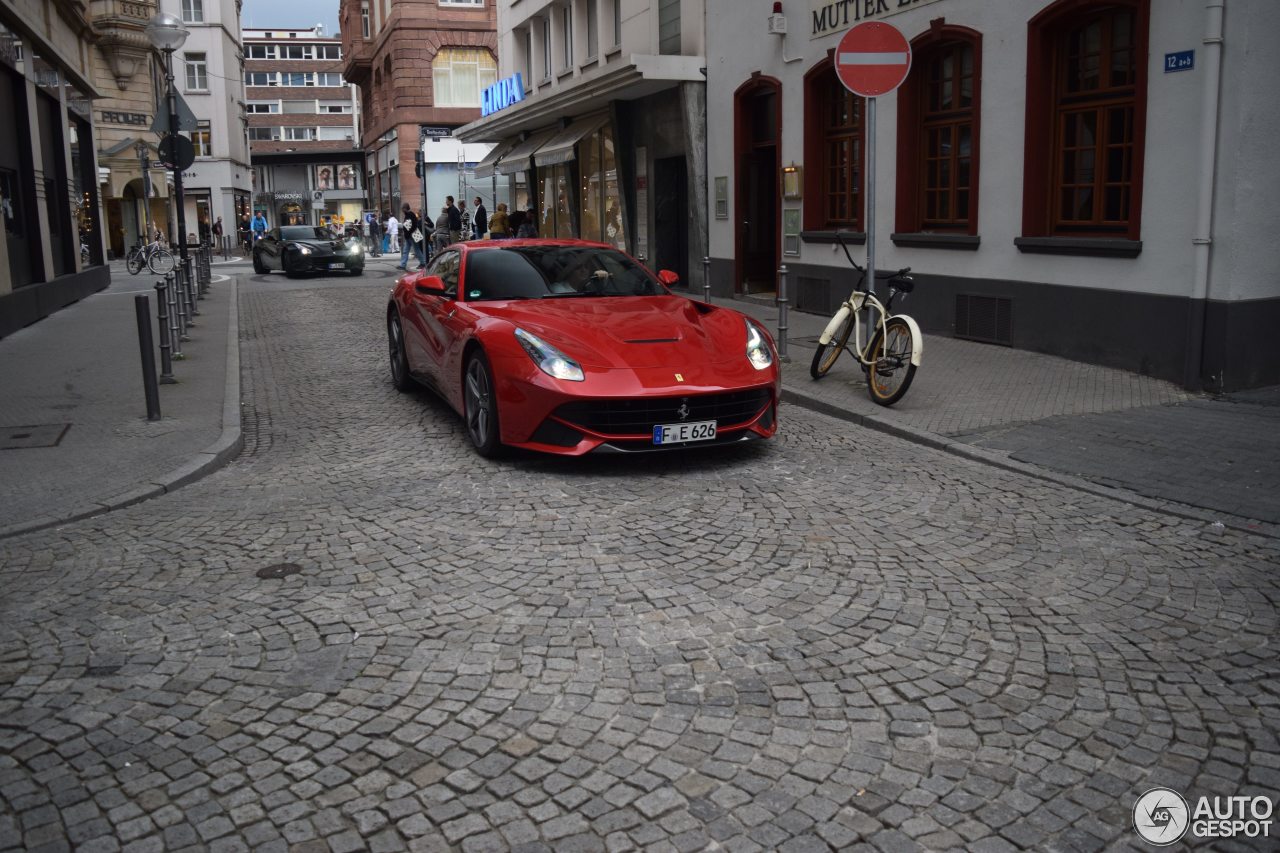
539	272
446	266
304	232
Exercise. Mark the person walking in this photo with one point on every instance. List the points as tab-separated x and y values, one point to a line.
480	220
443	234
246	232
259	225
499	226
393	231
413	238
454	217
217	234
529	227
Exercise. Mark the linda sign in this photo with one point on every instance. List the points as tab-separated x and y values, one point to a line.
504	93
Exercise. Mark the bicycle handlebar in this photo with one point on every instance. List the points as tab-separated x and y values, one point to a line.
882	275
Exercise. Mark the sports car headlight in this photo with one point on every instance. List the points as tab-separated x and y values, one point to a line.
758	352
302	250
549	359
355	248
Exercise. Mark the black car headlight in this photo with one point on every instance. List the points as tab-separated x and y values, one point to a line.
758	351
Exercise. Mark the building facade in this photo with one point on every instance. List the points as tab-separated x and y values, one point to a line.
304	128
51	248
1083	178
207	73
421	66
600	121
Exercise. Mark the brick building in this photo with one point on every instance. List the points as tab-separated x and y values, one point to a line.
303	126
420	66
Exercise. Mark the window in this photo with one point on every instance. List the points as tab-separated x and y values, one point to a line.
262	107
193	11
260	51
300	107
669	26
566	35
600	200
346	178
546	48
263	134
336	134
938	133
297	78
528	54
335	107
197	73
295	51
300	134
261	78
460	74
328	51
364	19
593	24
329	78
1086	111
200	140
617	23
324	178
834	142
462	2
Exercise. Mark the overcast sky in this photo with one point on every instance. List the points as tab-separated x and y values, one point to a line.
295	14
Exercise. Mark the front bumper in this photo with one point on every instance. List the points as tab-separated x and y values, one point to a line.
316	262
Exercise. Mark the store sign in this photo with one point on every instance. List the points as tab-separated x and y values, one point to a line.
136	119
500	95
836	16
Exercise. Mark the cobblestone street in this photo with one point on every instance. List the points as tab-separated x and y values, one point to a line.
830	640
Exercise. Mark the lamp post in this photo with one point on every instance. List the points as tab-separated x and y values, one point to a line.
167	35
144	152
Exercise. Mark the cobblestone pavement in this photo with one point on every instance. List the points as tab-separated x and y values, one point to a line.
833	640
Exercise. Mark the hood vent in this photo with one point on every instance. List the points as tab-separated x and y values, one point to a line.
655	341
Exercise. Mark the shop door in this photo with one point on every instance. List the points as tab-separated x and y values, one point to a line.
671	217
757	189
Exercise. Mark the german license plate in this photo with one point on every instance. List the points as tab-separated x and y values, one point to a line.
680	433
336	265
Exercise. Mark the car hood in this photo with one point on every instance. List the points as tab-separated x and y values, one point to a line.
629	331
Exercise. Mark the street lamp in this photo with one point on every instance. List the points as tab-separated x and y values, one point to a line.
167	35
144	152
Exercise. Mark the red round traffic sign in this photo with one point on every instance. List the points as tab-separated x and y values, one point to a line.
873	59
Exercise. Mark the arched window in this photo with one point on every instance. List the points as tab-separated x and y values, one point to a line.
835	142
938	110
1086	114
461	74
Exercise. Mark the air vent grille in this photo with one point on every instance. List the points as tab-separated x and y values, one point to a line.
984	318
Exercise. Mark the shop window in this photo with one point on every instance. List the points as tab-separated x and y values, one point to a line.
324	178
1086	113
197	72
938	133
554	204
346	178
600	201
834	139
461	74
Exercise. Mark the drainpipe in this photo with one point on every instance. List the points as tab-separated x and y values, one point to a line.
1201	240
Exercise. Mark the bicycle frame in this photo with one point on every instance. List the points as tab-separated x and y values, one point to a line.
864	299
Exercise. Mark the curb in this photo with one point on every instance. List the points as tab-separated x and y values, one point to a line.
995	460
213	457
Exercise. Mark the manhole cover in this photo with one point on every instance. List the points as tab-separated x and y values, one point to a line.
40	435
279	570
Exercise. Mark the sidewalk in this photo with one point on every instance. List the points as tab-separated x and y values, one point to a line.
1102	430
74	438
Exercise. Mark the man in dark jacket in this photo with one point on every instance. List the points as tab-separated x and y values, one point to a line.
455	220
480	220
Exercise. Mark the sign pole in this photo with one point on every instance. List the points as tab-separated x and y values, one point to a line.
871	205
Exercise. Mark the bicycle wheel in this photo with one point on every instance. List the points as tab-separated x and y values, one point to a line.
134	261
890	352
825	358
161	262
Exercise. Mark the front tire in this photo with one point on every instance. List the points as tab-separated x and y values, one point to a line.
892	371
358	271
258	266
161	262
399	362
289	271
480	406
825	358
134	262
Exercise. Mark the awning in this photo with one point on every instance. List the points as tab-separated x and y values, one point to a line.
561	148
486	167
517	159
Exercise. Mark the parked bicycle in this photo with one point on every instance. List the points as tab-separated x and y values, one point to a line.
153	256
892	354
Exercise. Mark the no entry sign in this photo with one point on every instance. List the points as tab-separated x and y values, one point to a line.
873	59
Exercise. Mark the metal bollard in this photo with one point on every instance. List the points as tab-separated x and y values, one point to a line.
176	334
180	295
206	271
146	346
782	313
706	278
162	314
192	310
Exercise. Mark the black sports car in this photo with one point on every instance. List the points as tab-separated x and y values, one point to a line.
296	249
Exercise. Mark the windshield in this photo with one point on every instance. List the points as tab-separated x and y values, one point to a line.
545	272
304	232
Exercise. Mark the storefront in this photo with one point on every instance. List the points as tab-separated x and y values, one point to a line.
309	188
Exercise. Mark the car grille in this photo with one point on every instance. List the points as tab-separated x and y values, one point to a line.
639	415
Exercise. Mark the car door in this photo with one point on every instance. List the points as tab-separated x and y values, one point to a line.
430	310
269	248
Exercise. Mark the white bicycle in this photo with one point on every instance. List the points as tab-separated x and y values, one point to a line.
891	354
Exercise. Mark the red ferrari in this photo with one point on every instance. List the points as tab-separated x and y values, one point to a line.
568	347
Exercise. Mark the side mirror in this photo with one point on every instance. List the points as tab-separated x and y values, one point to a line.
668	278
430	284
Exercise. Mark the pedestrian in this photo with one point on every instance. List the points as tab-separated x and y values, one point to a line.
466	220
246	231
375	235
499	226
259	225
529	227
454	217
480	221
393	231
217	233
444	234
413	238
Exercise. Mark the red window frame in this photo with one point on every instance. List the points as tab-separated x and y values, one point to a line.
835	147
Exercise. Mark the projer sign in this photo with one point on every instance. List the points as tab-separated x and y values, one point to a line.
504	93
834	16
141	119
